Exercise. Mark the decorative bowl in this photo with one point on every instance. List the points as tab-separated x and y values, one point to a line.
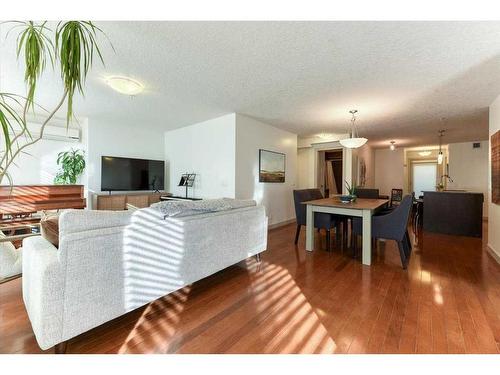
345	198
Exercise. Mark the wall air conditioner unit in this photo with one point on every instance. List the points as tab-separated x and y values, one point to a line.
55	133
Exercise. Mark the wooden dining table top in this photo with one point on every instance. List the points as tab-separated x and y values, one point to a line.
359	204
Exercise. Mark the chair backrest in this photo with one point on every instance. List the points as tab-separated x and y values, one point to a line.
304	195
398	219
367	193
396	196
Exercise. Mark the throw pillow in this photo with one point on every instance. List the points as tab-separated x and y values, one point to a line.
49	225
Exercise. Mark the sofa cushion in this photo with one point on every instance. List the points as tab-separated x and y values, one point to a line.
49	225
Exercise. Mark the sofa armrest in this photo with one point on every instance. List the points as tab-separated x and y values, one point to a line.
43	289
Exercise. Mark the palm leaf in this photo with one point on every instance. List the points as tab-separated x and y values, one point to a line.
76	44
9	117
37	48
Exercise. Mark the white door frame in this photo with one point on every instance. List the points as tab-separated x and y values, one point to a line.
346	162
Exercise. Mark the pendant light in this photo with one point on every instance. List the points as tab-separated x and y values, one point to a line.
353	141
392	146
440	154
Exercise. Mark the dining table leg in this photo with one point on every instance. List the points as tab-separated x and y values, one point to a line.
367	238
309	228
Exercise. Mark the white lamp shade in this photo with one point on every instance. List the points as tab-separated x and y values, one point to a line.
353	142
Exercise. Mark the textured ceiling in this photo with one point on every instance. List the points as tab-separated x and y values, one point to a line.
403	77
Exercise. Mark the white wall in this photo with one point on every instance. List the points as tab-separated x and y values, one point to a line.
207	149
305	168
115	139
389	170
468	167
252	135
38	166
494	209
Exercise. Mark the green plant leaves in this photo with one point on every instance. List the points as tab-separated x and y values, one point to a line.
75	46
72	164
37	47
9	118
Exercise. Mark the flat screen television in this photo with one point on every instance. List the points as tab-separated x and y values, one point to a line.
127	174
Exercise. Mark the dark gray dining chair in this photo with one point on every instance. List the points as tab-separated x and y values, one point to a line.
321	220
392	226
366	193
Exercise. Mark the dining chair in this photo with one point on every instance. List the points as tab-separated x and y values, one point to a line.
396	197
366	193
392	226
321	220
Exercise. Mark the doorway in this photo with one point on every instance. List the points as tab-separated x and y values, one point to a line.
424	177
330	173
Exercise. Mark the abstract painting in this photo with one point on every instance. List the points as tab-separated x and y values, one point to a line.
271	166
495	167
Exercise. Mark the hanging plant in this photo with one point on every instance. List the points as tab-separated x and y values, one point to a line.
72	48
72	166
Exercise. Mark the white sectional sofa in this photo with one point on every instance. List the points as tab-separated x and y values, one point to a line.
109	263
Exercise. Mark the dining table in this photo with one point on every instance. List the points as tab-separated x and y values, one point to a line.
361	207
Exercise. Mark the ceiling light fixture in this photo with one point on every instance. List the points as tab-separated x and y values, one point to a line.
392	147
353	141
125	85
325	135
424	153
440	154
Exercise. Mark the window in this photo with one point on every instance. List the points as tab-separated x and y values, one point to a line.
424	177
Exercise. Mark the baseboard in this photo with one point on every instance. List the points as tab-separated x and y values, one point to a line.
281	224
493	253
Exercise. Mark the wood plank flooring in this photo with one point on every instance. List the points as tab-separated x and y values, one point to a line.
448	301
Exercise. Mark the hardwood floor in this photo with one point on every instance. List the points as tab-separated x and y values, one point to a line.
448	301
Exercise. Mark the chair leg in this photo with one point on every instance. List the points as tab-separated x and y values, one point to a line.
297	233
353	237
328	238
401	247
408	241
257	257
345	233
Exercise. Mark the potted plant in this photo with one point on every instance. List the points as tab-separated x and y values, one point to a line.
72	164
351	190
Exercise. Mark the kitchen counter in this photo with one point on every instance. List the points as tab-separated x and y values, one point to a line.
454	212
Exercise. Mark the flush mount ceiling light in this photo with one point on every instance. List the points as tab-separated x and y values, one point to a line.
125	85
325	135
424	153
353	141
392	146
